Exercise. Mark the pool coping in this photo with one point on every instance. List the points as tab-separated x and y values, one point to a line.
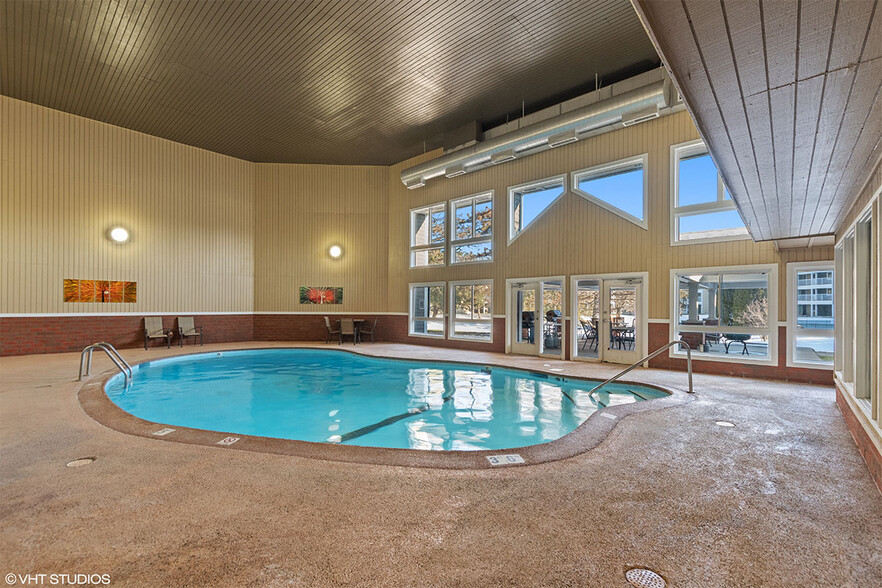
97	405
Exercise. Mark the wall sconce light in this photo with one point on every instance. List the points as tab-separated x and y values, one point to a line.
118	235
335	251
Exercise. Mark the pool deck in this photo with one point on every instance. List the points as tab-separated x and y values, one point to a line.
782	499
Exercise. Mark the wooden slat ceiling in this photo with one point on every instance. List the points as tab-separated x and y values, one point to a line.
346	81
787	95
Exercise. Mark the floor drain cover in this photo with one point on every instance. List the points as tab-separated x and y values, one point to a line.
644	578
80	462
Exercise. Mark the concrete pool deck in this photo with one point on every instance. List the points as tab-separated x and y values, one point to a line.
782	499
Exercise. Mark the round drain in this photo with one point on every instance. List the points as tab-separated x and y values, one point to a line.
80	462
643	578
724	423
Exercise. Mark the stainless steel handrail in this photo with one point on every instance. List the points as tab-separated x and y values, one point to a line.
117	359
647	358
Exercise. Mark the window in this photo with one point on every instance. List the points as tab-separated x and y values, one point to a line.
471	316
810	324
528	201
427	236
619	187
727	313
857	314
702	208
471	237
427	310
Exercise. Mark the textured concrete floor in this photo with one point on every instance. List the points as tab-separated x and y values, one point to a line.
783	499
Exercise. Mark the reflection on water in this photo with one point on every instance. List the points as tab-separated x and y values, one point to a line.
327	396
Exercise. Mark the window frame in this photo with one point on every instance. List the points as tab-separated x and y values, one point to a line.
452	242
793	269
420	248
451	328
771	329
410	317
544	182
721	204
609	169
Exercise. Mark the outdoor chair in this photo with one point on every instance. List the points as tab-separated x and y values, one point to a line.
737	338
589	334
187	329
331	331
368	329
347	329
153	330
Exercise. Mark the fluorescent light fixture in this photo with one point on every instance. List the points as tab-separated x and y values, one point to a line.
640	115
562	139
502	157
414	184
118	234
454	171
335	251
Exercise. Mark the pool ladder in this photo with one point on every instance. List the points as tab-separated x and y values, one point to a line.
647	358
112	353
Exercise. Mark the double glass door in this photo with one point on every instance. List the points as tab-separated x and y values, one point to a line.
609	319
537	318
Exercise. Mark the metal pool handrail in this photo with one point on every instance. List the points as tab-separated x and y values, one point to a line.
647	358
111	352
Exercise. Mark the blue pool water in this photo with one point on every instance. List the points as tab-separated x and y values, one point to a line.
339	397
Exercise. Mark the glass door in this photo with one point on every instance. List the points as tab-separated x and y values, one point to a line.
587	319
552	319
526	325
621	335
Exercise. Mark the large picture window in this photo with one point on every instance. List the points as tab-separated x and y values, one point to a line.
471	238
619	187
728	313
471	316
428	236
427	316
528	202
810	322
702	210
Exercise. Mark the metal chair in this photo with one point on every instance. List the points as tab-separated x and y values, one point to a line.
331	331
368	329
186	328
153	330
347	329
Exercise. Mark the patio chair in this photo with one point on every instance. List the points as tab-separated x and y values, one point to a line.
367	329
187	329
153	330
712	338
331	331
589	333
347	329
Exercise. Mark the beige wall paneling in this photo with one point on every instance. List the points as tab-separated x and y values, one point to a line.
66	179
574	236
301	210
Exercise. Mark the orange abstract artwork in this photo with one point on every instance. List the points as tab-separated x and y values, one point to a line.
100	291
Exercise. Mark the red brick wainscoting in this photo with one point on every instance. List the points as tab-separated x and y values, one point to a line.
391	328
865	445
659	334
59	334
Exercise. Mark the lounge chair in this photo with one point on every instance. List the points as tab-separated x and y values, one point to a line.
187	329
368	329
347	329
331	332
153	330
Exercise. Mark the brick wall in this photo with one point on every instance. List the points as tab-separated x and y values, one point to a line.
59	334
28	335
865	445
659	334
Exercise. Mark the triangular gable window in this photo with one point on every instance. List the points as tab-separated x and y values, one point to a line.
619	187
528	202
